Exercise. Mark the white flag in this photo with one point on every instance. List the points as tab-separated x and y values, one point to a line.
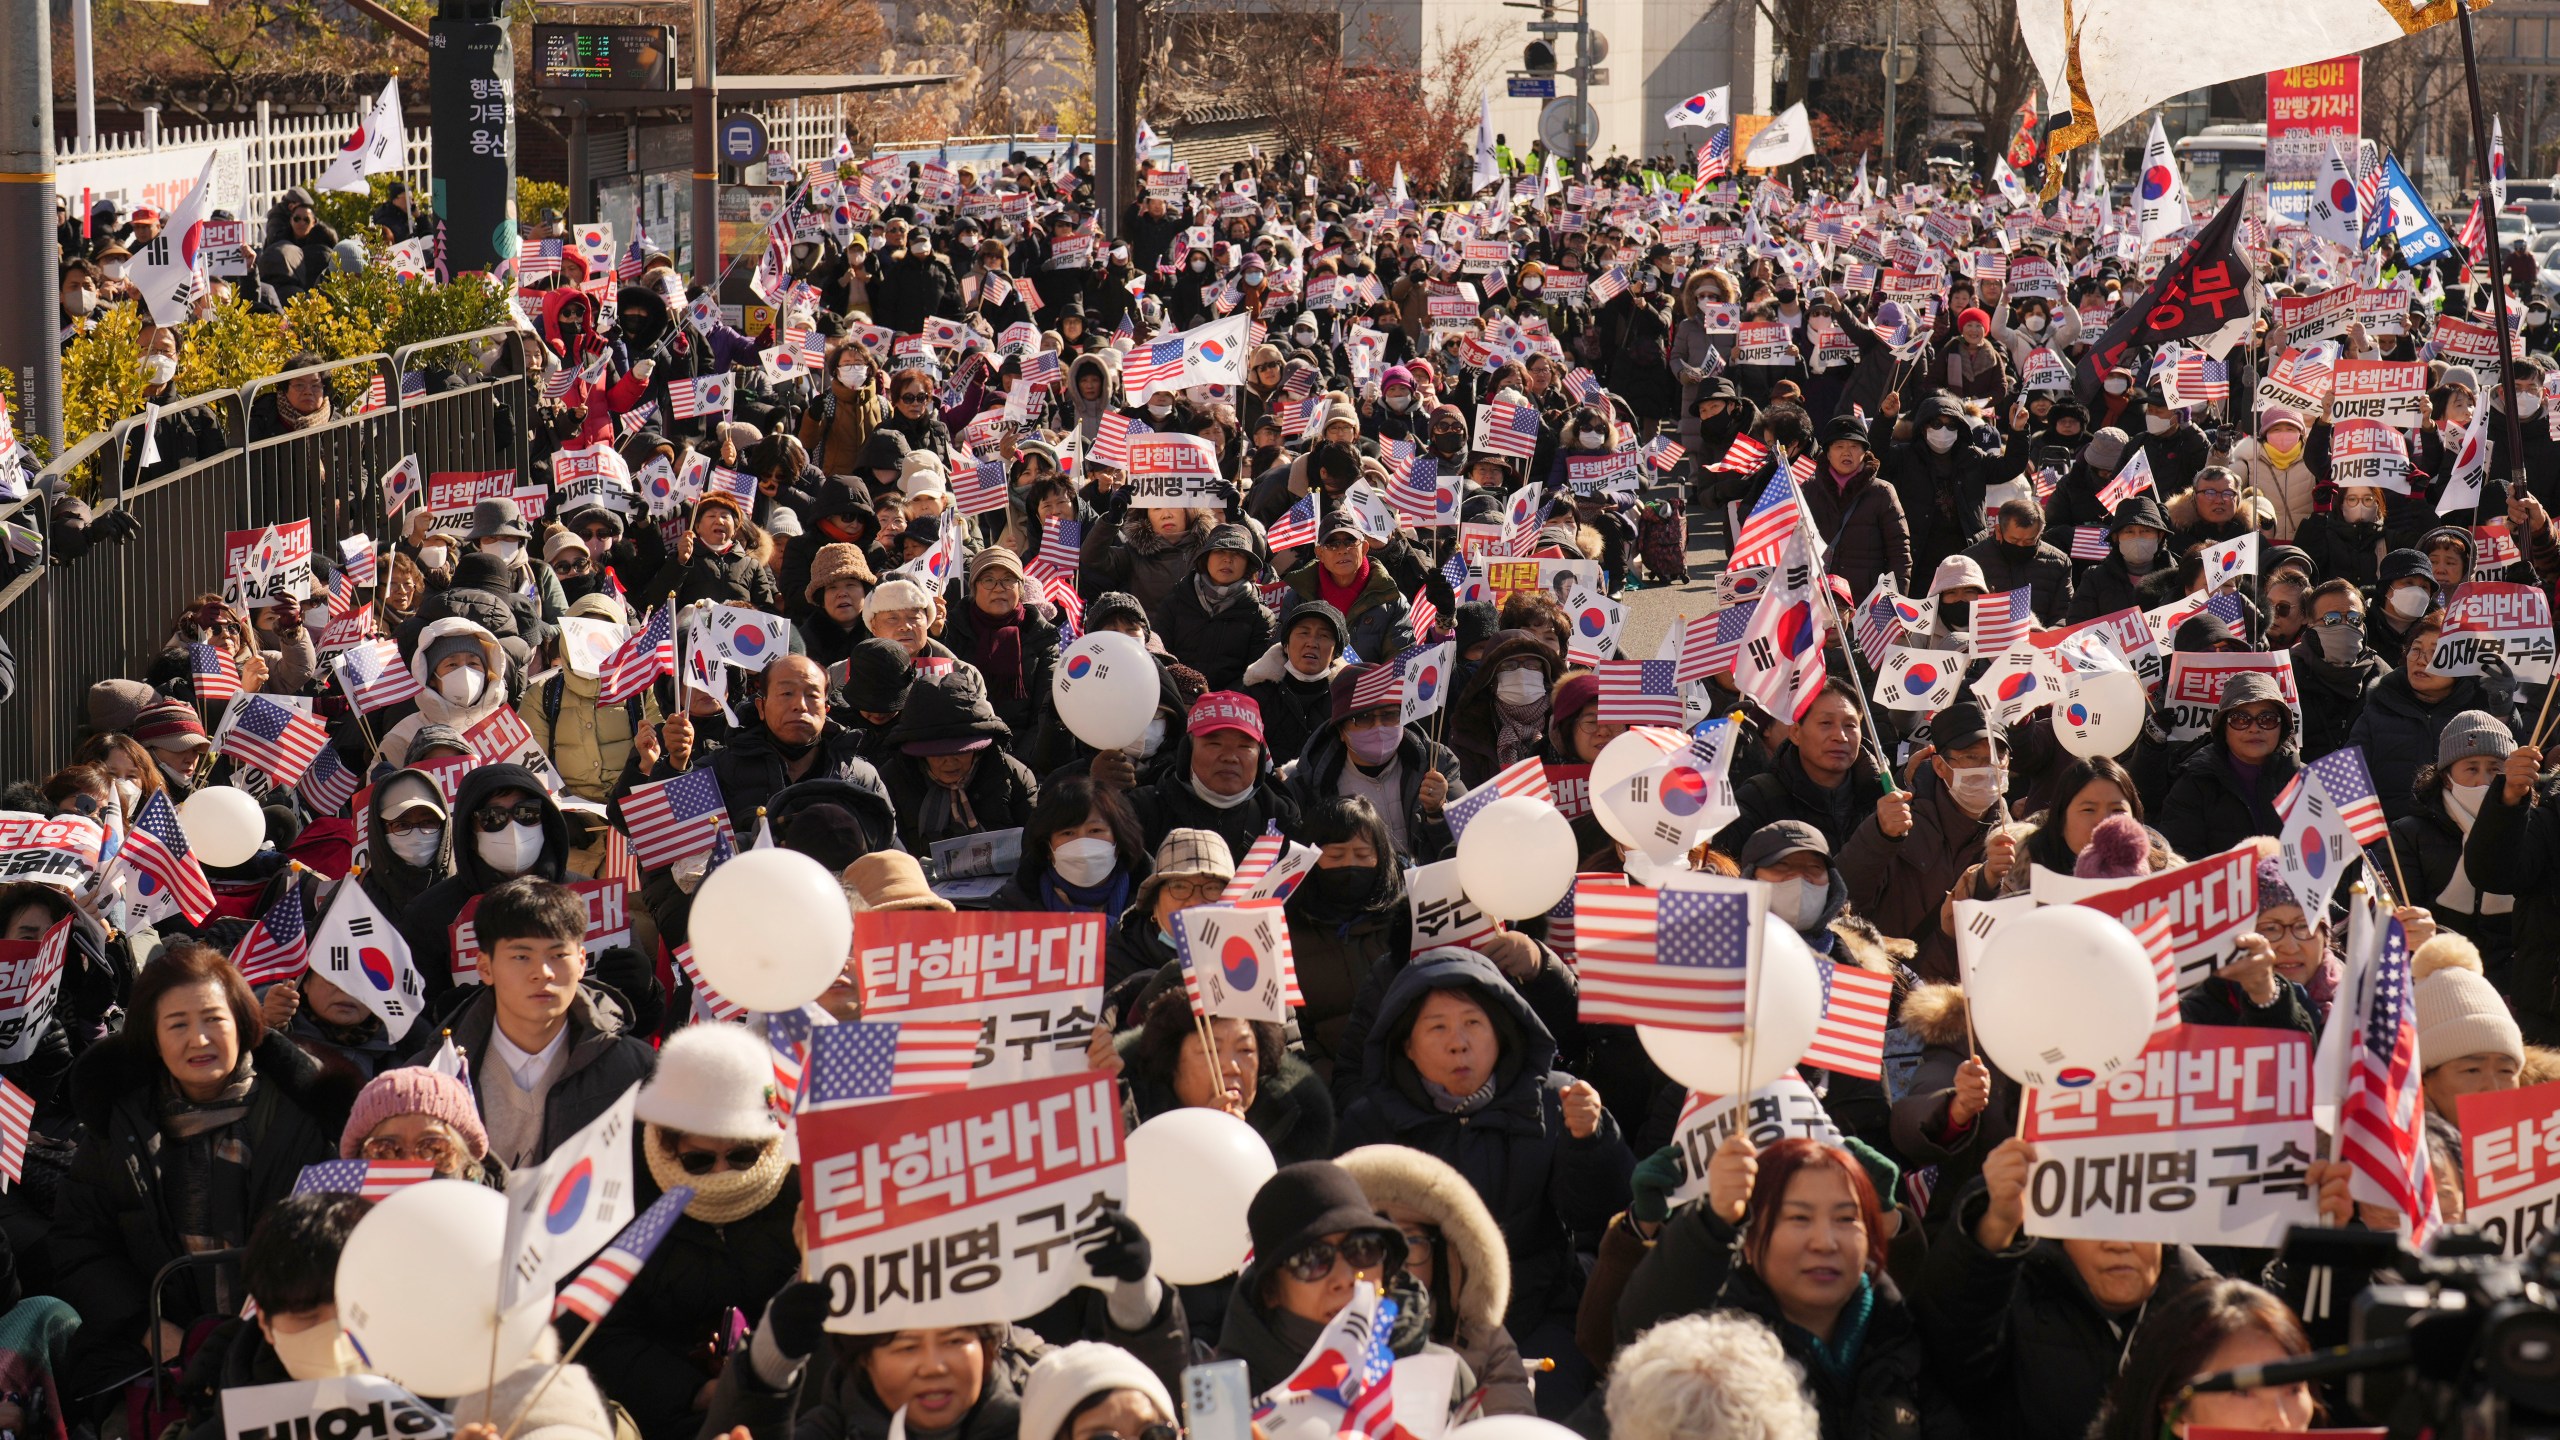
1426	681
2160	194
2337	213
2470	466
1788	138
380	143
1919	679
165	269
1487	170
1235	959
358	950
570	1205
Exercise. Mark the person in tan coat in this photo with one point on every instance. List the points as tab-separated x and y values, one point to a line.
2275	463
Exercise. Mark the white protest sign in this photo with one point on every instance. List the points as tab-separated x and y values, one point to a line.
2211	902
346	1407
2489	617
2195	686
1783	1109
2388	391
1174	470
1442	913
1033	980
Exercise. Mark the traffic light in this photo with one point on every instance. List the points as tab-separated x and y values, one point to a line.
1539	58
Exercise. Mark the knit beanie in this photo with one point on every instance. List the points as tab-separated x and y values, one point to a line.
1070	1375
2459	1013
2272	889
413	1090
2118	849
2474	732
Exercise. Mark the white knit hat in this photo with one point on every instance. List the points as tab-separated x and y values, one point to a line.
1067	1376
712	1080
2459	1012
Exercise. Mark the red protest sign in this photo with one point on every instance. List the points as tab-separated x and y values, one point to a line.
2511	1163
2211	903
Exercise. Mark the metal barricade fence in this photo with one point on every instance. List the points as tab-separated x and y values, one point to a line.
321	471
470	408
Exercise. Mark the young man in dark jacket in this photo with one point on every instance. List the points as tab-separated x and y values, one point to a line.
2137	552
2333	669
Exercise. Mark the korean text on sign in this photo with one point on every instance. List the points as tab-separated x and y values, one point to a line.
1033	980
2511	1164
961	1207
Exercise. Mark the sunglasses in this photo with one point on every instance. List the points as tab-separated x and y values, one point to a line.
494	819
702	1162
1362	1251
2243	720
914	396
1152	1432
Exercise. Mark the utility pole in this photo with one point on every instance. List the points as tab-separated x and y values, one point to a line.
471	99
84	72
29	345
1106	112
706	143
1581	83
1892	77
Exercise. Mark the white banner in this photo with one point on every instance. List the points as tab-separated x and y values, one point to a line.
345	1406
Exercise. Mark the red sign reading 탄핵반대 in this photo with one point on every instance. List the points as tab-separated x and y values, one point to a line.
1031	978
962	1207
2511	1164
2213	901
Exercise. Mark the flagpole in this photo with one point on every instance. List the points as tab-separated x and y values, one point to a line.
536	1397
2497	286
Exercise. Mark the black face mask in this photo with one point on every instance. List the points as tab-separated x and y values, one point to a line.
1447	442
1957	613
1345	887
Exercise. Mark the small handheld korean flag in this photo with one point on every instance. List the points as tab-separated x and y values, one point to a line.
2318	843
356	947
1235	959
2226	561
1919	679
2159	195
1426	680
570	1206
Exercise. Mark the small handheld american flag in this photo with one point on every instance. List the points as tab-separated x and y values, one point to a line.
217	678
2003	620
1674	958
1298	527
372	1179
602	1282
1772	519
1856	1004
672	820
2349	782
279	945
1640	692
1742	457
276	738
640	659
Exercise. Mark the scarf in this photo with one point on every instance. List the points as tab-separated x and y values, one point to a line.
1839	1354
998	654
1515	736
1450	1103
947	811
1111	897
723	1196
1216	801
1341	597
204	1171
2458	892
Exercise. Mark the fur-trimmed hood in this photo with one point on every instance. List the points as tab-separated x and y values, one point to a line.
1935	1015
2252	507
1857	941
1406	1183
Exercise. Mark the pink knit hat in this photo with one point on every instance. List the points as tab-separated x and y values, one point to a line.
414	1090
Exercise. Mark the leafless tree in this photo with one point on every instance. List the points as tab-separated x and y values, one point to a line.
1986	68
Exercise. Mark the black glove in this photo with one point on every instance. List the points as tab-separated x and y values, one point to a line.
1123	1253
118	526
796	1317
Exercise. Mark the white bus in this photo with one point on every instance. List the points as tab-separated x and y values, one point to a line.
2218	157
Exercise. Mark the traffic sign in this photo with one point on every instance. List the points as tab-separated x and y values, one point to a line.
1568	126
1533	87
742	139
1553	27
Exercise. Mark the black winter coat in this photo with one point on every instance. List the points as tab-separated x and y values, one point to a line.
1218	644
1424	838
2398	730
1935	1016
751	771
1866	528
2515	850
2110	585
1544	1186
737	578
1785	792
1170	804
2332	695
2429	843
2207	810
2045	570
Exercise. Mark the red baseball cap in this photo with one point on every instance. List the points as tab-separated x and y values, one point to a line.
1226	710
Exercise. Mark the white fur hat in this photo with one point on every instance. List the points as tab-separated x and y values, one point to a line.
712	1080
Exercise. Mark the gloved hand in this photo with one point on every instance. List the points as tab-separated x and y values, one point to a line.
1655	1177
1124	1254
116	525
644	370
796	1317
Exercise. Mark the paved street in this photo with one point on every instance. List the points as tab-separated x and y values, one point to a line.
1650	611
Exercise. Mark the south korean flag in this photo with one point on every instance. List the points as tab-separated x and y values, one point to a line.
1235	959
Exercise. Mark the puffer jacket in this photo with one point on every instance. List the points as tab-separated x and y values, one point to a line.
1130	556
1900	884
2398	730
1935	1016
1380	619
433	708
1941	495
1292	709
2207	810
1220	644
427	924
2288	490
1471	1269
1864	525
2515	850
2429	841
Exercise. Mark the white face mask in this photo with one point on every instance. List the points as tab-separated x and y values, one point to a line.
2158	424
2118	384
513	850
462	687
1978	787
2139	549
82	302
2463	803
1399	403
506	550
317	1352
416	847
853	375
1159	407
431	557
129	795
2527	403
112	269
1150	740
159	369
1590	439
2362	512
2410	602
1798	901
1085	863
1519	688
1940	438
2035	324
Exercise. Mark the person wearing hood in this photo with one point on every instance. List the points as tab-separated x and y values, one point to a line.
714	559
547	1049
1860	517
1461	1068
505	825
478	589
1940	473
2075	501
408	848
1349	917
2348	541
1292	682
2405	593
2224	790
2137	554
2334	670
1148	552
841	422
2445	807
1455	1252
1824	774
2178	450
1344	575
2408	712
1013	646
946	767
1903	860
706	1126
1369	752
2275	466
1218	778
2449	553
1217	624
464	673
588	741
1092	385
1316	1236
837	580
2014	555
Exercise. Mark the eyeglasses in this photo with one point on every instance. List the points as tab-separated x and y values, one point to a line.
1364	1251
2265	720
1196	889
495	818
410	822
432	1148
2339	619
912	396
2279	931
703	1162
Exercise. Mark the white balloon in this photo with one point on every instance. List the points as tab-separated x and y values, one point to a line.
1192	1172
2062	995
1659	755
1786	1007
771	929
1105	688
1510	1427
418	1289
2100	713
1517	858
224	825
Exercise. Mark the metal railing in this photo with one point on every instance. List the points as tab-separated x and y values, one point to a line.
109	614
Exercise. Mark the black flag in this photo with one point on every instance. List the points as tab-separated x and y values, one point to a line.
2207	287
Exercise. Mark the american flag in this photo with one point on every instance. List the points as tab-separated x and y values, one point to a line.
1145	365
604	1279
373	677
2342	772
329	784
1664	453
1879	625
2045	480
538	259
640	659
377	393
2474	238
372	1179
2312	370
2089	542
2003	620
1855	1007
699	395
1061	552
1640	692
276	738
671	820
632	422
1110	447
342	595
1041	370
1426	616
1716	647
1510	429
217	678
884	1059
155	846
413	386
1765	530
1376	685
17	1119
979	489
1608	285
1742	457
633	259
2201	379
786	1039
279	945
2381	1123
1677	958
1257	862
1585	387
1858	278
2129	481
1298	527
1715	158
2227	607
1413	487
1523	777
1372	1395
707	1002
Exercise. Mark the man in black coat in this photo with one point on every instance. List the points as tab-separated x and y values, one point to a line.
914	284
1216	624
2137	551
2333	669
1220	778
2178	450
2014	554
792	740
1823	776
